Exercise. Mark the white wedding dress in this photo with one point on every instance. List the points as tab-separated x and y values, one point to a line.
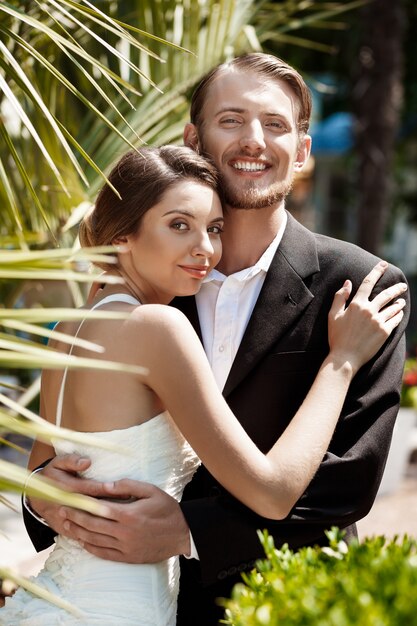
107	593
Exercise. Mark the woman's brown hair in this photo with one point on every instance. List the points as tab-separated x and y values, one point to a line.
141	178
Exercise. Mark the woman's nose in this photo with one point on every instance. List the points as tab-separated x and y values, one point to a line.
203	245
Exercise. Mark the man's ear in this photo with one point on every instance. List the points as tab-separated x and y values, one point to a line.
190	136
303	153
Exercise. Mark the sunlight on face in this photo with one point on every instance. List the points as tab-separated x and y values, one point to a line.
177	244
250	132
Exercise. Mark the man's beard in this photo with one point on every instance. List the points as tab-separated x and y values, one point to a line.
249	196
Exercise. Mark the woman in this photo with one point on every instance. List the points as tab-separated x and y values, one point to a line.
168	226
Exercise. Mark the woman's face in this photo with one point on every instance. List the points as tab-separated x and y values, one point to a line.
177	244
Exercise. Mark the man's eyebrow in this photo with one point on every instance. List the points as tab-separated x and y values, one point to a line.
233	109
230	110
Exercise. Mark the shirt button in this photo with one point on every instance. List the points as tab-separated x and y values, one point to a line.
221	348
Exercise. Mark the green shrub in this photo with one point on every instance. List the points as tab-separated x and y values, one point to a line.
372	583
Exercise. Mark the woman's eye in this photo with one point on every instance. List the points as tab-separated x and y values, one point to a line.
216	230
179	225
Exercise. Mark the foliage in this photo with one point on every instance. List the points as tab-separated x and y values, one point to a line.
371	583
80	80
409	388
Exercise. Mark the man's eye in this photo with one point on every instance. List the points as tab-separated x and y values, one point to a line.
276	124
229	120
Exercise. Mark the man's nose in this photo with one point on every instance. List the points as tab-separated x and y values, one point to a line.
253	138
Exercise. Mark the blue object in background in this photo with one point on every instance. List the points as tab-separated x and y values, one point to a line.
333	135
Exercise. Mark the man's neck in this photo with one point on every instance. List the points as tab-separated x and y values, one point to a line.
247	234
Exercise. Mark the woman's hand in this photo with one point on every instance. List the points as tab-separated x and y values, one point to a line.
358	331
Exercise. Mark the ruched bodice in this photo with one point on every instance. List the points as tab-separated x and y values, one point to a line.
106	592
154	451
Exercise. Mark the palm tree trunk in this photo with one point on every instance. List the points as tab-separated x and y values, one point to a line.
377	98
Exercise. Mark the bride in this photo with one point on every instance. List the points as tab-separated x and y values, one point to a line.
167	227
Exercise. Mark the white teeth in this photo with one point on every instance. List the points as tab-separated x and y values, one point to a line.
249	167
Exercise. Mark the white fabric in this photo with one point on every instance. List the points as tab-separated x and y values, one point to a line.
225	305
107	592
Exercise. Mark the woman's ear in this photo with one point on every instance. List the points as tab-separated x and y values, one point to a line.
122	243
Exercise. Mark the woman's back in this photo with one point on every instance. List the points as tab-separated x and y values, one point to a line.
101	400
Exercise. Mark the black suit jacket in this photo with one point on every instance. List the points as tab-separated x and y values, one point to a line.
277	361
280	353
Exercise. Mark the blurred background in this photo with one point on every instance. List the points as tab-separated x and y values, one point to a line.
81	82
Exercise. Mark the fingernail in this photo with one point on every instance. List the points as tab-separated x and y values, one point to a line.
383	264
404	286
62	512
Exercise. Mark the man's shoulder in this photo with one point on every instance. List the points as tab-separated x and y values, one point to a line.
303	237
331	246
348	255
339	257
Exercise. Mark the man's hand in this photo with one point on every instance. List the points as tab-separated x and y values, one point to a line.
150	529
63	471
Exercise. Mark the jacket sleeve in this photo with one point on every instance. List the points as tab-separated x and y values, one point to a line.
42	536
342	491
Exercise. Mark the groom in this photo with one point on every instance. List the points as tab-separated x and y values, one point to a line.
262	317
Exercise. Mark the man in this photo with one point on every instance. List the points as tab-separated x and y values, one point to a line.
262	317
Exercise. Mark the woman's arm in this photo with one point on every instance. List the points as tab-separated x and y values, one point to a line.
269	484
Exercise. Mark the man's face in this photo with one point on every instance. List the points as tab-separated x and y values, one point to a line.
249	130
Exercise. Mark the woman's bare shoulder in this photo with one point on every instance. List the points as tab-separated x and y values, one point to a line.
162	327
157	317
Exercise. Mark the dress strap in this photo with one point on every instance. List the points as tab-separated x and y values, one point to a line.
115	297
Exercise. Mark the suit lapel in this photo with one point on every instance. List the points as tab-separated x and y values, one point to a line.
187	304
283	298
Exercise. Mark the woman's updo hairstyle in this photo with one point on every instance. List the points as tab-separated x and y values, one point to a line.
141	178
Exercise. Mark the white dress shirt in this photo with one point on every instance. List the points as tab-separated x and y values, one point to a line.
225	305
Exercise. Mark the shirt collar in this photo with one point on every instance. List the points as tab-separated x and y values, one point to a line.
263	263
